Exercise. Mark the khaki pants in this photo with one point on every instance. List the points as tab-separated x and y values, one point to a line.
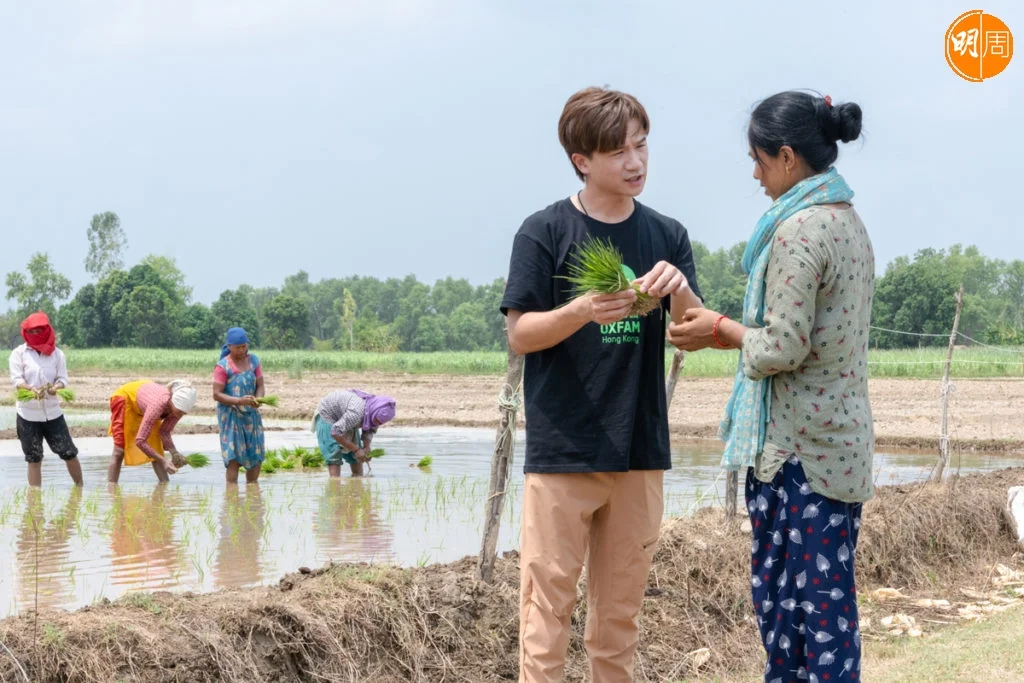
611	519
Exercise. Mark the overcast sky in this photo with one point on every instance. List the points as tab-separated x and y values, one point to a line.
253	138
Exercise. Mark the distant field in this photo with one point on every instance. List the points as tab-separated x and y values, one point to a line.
910	363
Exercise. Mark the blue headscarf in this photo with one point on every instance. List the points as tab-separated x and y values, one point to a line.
235	336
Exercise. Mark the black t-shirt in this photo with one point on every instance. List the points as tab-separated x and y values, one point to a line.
596	401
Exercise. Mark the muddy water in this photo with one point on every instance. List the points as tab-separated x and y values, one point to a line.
66	548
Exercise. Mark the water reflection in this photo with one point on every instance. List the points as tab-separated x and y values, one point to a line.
347	522
45	570
196	534
142	538
242	522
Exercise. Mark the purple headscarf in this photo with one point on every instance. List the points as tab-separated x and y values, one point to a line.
379	408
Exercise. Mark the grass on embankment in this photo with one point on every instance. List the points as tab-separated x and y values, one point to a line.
989	650
909	363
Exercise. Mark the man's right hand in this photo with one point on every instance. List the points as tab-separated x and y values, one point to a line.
604	309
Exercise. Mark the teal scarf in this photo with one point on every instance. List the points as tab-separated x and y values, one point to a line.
749	408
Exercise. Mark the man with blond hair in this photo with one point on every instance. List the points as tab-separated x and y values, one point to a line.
597	439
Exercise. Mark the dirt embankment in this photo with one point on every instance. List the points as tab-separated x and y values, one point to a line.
439	623
984	414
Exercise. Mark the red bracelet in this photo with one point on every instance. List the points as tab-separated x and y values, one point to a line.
714	332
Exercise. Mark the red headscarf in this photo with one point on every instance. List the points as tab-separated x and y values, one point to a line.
44	342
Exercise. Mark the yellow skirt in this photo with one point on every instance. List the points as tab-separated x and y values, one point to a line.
125	420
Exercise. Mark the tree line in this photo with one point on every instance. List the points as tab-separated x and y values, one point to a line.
150	303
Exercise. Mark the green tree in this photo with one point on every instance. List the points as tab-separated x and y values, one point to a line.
199	328
721	278
431	334
167	268
447	294
233	309
258	298
107	243
286	322
10	330
146	317
918	296
347	311
411	307
489	297
468	329
41	289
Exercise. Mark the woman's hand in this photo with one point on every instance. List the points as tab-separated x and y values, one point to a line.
249	401
178	460
696	331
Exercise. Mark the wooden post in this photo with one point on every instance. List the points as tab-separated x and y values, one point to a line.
678	359
940	469
508	402
732	492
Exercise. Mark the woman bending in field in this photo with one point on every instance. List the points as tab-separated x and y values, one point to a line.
345	423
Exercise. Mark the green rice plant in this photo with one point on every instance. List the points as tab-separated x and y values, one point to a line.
288	464
67	395
271	462
271	401
313	459
376	453
598	268
425	462
25	395
197	460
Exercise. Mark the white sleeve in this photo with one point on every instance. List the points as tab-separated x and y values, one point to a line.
17	367
62	368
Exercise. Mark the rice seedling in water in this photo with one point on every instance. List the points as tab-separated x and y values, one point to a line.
598	268
197	460
425	462
271	401
313	459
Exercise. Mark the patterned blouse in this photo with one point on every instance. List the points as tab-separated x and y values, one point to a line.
818	291
154	400
343	410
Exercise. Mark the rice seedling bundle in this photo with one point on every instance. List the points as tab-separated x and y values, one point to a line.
197	460
376	453
66	394
25	395
312	459
598	268
425	462
271	401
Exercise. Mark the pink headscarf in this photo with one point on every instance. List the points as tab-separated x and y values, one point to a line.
379	409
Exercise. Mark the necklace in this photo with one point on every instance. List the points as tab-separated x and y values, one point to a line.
580	200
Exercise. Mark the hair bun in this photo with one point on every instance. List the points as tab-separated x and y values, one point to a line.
840	122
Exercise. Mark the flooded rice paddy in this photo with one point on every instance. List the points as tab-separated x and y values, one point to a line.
66	547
